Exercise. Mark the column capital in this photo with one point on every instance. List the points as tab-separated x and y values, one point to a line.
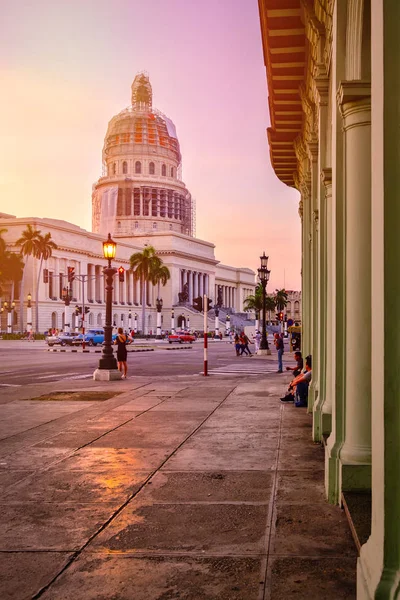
353	96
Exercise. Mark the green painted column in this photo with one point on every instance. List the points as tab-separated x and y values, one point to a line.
336	366
355	455
313	266
378	573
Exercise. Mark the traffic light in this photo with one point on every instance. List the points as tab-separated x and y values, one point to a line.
121	274
209	304
198	303
278	316
71	274
87	310
45	276
78	310
281	316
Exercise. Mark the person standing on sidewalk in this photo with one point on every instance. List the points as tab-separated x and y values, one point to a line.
257	340
121	340
280	348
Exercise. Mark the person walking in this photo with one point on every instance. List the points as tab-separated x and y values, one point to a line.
237	344
257	340
245	344
280	348
122	340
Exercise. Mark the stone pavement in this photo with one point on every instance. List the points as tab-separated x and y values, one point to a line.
186	488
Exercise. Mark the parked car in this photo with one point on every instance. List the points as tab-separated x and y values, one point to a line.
93	337
181	337
64	339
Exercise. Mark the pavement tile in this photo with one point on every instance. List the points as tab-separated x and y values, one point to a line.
47	526
301	486
33	458
232	419
135	459
225	529
326	578
62	485
158	578
301	456
234	440
8	478
140	438
307	530
217	486
191	459
23	574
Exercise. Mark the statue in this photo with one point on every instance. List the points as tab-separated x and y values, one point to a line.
184	295
219	297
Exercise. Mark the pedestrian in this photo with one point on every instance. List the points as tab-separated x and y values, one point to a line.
257	340
280	348
298	387
237	344
244	340
122	340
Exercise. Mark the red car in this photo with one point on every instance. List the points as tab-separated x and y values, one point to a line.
181	337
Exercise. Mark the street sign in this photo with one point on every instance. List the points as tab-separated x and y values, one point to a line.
290	322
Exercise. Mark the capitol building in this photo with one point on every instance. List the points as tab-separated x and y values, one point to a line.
141	200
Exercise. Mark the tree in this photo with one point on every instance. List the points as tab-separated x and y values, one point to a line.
254	302
11	270
145	266
160	277
44	249
29	247
269	306
280	299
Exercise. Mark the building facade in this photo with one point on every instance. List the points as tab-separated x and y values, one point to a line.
141	200
333	76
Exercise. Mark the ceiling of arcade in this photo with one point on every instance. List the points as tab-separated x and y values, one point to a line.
296	38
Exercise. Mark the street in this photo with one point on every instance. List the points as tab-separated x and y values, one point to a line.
24	363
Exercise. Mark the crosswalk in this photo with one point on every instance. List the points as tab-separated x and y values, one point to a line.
243	368
14	376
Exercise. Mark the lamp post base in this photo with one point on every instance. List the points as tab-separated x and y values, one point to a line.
107	375
264	352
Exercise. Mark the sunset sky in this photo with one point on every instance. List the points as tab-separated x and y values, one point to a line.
67	68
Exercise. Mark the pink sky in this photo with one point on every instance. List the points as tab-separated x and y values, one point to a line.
67	68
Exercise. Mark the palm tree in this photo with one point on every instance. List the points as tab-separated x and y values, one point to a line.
160	277
144	266
45	247
269	306
280	299
12	269
254	302
29	247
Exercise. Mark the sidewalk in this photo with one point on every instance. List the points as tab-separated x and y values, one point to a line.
188	488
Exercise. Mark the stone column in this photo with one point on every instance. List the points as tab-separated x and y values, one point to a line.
201	285
195	285
355	102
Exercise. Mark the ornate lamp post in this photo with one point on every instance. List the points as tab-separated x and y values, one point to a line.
135	322
129	321
263	275
173	322
67	297
227	325
216	309
9	307
188	322
182	321
159	305
108	369
29	314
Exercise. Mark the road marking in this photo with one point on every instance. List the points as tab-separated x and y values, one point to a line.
247	368
85	376
10	385
55	375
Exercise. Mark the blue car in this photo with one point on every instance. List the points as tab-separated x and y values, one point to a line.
93	337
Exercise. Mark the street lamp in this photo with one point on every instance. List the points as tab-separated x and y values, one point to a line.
67	297
108	368
129	320
188	322
182	321
9	307
173	322
29	314
159	305
263	275
227	325
216	310
135	322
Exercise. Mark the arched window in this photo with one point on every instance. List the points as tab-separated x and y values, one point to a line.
289	308
114	169
138	167
136	225
124	167
172	171
99	319
154	225
164	170
170	226
152	168
119	225
91	318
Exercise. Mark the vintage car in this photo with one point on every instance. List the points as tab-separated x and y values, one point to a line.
181	338
64	339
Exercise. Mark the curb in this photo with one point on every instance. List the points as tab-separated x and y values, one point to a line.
189	348
100	351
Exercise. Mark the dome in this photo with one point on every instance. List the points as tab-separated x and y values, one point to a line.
141	125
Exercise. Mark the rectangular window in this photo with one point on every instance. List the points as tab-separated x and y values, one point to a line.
128	202
51	284
61	284
136	201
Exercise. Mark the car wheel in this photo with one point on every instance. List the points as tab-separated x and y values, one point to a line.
62	343
50	344
169	342
180	341
94	343
90	343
